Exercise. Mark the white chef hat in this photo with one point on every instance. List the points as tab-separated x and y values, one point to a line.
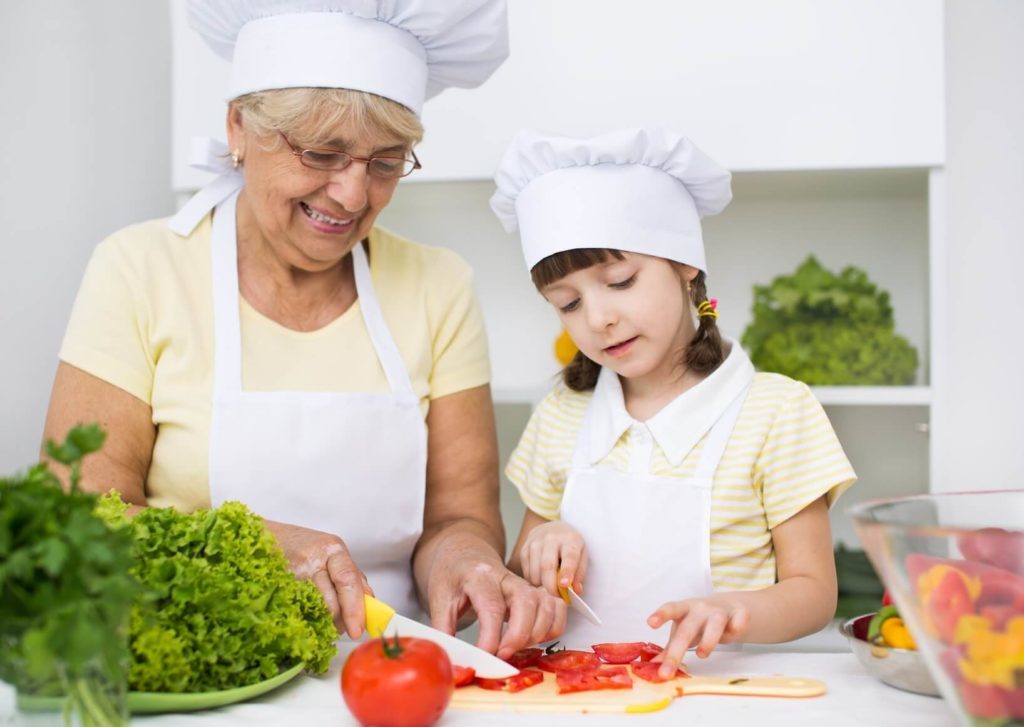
404	50
639	190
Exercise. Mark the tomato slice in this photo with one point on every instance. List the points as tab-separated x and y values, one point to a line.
516	683
525	657
650	651
589	680
568	660
462	675
621	653
648	670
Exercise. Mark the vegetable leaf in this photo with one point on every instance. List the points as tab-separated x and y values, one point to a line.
827	329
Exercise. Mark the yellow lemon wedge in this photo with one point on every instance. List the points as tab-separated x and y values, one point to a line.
378	615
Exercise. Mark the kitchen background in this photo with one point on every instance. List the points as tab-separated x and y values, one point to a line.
869	133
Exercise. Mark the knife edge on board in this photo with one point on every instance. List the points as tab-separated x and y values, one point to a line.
382	620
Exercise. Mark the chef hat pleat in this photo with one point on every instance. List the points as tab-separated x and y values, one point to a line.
638	190
404	50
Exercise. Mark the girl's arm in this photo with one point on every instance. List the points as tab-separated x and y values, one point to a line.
801	602
530	521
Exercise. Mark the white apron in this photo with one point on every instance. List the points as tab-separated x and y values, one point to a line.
350	464
648	537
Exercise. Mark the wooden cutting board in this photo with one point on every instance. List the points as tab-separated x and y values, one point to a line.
643	697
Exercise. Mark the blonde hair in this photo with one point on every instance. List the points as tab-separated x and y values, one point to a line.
309	116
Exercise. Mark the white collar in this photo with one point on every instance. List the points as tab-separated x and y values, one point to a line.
680	424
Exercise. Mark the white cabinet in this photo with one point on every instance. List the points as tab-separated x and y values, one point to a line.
787	84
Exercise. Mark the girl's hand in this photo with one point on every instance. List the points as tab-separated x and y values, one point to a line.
554	555
700	622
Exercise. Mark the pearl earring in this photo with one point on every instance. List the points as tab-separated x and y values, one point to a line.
236	159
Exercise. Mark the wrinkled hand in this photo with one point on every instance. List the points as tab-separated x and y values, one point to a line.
701	622
554	555
495	594
324	559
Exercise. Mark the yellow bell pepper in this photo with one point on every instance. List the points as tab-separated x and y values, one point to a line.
895	634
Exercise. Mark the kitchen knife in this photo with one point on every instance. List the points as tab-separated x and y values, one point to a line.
577	604
382	620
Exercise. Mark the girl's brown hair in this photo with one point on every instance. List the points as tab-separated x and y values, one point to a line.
703	354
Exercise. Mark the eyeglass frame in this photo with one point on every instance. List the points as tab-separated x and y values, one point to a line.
300	153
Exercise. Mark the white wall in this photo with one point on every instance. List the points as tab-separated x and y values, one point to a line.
978	415
84	133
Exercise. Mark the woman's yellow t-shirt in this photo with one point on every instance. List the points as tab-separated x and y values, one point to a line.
143	321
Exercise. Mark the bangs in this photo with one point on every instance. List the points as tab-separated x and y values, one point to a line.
555	267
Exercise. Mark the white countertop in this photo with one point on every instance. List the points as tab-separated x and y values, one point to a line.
853	698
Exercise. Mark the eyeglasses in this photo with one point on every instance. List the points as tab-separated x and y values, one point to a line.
384	167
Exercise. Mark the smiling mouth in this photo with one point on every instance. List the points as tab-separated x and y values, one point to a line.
620	348
320	217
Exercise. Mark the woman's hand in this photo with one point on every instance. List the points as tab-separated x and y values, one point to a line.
467	577
553	555
324	559
701	622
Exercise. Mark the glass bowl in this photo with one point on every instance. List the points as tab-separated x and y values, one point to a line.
954	565
900	668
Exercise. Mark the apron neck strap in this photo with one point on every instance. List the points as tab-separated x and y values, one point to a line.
227	324
208	155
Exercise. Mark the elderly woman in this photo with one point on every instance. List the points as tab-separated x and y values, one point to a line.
270	345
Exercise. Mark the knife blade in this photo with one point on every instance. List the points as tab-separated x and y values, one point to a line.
577	604
382	620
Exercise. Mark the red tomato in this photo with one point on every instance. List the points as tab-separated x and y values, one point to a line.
568	660
650	651
985	702
621	653
404	682
949	601
588	680
886	598
525	657
649	670
525	678
462	675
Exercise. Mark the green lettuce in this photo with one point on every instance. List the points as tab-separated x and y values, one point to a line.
223	610
827	329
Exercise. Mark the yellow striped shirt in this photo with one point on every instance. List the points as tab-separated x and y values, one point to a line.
782	456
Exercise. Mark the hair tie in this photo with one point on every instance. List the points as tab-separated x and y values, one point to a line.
708	308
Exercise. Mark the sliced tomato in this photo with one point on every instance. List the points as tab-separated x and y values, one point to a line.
462	675
620	653
525	657
648	670
589	680
568	660
650	651
517	683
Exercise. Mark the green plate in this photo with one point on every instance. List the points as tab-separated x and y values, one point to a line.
152	702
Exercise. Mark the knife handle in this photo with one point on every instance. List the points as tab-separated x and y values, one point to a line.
752	686
378	615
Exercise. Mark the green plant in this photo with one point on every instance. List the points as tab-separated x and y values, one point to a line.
823	329
860	589
65	587
223	609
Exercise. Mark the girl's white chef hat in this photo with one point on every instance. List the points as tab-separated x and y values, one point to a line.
639	190
404	50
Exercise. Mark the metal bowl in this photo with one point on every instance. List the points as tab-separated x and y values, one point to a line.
900	668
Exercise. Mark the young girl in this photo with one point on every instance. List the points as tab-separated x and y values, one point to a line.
664	479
